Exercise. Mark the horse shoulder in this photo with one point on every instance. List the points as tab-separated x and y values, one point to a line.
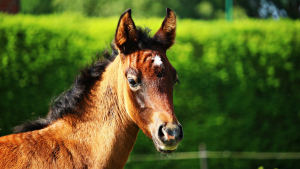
40	148
13	152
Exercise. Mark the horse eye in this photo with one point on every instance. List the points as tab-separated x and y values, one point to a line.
132	82
177	81
160	75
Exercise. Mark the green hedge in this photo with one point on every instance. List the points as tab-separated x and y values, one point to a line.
239	91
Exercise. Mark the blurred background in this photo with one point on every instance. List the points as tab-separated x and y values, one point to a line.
238	63
196	9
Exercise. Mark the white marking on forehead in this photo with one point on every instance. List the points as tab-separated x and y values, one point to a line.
157	60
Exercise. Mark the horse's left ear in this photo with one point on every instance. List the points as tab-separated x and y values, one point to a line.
167	31
126	32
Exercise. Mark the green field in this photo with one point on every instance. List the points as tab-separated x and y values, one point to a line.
239	91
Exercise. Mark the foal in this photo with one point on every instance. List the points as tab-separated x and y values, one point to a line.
95	123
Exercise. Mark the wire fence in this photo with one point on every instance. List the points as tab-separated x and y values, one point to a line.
203	155
216	154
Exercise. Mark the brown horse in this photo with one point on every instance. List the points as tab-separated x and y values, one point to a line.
95	123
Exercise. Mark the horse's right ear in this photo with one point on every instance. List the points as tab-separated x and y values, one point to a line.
167	31
126	32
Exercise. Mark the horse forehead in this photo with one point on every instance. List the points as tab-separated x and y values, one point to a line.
149	58
157	60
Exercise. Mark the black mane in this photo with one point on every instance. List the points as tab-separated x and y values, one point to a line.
66	102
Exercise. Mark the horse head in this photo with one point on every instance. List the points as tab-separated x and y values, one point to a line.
148	79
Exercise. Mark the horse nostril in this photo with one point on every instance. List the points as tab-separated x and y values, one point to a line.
180	137
160	132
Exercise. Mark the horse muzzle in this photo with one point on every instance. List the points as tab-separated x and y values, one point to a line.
167	137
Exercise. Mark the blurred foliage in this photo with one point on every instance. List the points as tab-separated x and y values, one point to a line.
239	86
205	9
36	6
148	8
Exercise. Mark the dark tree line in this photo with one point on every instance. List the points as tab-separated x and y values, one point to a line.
197	9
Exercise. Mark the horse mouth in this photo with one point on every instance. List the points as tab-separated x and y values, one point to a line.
164	148
165	151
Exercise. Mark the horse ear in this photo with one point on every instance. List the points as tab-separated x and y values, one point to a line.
167	31
126	32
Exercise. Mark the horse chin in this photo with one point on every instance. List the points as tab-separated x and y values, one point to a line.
166	151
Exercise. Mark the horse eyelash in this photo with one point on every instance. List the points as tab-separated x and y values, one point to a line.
177	81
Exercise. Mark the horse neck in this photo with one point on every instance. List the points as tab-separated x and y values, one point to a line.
105	126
